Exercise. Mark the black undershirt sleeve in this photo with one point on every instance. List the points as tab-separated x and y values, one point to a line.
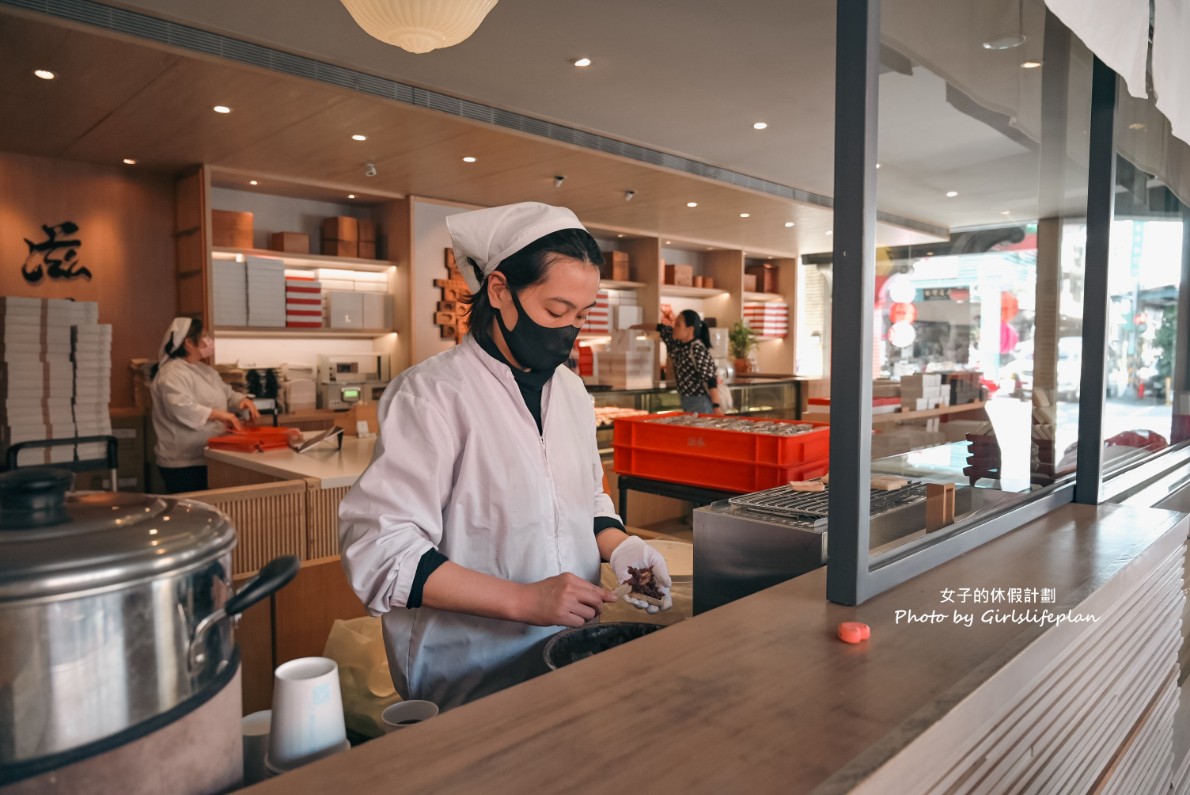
428	564
605	522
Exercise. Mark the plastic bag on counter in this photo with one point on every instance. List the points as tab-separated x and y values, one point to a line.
357	645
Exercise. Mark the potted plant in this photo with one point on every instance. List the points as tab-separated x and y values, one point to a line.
741	342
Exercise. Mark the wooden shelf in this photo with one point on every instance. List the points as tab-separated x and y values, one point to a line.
307	260
691	292
901	416
278	332
614	284
767	297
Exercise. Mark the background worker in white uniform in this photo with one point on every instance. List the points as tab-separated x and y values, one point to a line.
190	405
480	525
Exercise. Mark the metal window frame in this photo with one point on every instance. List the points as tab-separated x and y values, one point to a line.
852	575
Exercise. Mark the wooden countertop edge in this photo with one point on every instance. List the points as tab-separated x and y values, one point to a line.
758	692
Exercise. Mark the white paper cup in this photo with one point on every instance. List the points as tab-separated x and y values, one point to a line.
406	713
307	713
255	731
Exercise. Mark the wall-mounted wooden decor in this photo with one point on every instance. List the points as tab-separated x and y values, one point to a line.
451	317
53	257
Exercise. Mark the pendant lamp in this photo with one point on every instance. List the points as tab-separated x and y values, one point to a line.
419	25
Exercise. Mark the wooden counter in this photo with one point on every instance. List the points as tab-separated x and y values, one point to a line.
332	467
760	695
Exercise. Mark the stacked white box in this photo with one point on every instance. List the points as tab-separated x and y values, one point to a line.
767	318
229	285
92	356
303	300
628	362
376	309
266	292
36	376
607	306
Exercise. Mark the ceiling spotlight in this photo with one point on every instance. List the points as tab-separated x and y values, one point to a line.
468	159
128	161
253	182
221	109
1005	42
629	195
44	74
929	253
877	165
581	62
668	242
950	194
558	180
691	204
760	125
788	224
744	215
1006	212
1030	64
1136	125
351	195
620	235
370	170
358	137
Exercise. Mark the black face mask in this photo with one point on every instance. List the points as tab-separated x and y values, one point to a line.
535	346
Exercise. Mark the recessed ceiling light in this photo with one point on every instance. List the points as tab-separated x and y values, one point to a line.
829	232
351	195
253	182
581	62
929	253
760	125
44	74
1006	212
1136	125
691	204
468	159
950	194
744	215
1030	64
221	109
877	165
710	248
1005	42
358	137
619	235
128	161
788	224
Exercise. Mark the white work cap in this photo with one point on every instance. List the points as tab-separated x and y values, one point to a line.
490	236
174	336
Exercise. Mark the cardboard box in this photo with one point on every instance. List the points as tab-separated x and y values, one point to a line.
615	266
766	277
290	242
367	230
230	229
340	248
750	282
341	227
679	275
367	249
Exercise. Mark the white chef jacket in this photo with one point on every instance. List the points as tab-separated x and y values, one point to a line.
460	467
184	395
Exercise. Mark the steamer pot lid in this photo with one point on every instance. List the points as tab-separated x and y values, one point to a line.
54	543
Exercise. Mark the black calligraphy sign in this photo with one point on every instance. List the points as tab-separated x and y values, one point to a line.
47	258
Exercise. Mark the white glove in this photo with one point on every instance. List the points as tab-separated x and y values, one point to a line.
634	552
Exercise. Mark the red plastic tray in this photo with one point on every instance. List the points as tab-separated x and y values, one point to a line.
720	459
737	476
249	440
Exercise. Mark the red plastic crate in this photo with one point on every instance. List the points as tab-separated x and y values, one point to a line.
720	459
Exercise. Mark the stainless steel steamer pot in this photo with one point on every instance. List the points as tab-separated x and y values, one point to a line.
114	615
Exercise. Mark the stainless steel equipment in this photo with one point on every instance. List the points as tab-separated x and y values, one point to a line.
343	395
353	368
115	617
748	543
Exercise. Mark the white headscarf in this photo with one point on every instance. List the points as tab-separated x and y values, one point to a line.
174	336
491	235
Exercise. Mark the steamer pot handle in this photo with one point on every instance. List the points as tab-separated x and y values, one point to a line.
275	575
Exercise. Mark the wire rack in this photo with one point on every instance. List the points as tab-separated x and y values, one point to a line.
811	507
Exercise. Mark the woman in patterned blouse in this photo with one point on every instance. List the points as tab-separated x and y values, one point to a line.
688	344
